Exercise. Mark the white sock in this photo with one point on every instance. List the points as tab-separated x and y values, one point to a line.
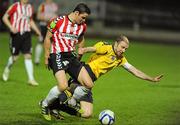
79	92
38	51
10	62
29	68
52	95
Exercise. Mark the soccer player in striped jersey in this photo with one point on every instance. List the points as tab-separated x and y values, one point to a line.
105	58
63	34
20	24
46	11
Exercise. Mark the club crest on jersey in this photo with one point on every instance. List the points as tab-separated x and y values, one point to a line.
69	36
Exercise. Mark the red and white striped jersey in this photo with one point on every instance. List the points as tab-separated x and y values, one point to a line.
48	11
65	34
20	16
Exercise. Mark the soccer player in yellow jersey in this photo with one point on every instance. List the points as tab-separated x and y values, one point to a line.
105	58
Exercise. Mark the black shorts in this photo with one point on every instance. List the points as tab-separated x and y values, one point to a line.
43	32
90	72
20	43
66	61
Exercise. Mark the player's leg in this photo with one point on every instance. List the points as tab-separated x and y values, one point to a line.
79	73
38	52
44	104
26	49
86	103
15	42
81	96
85	79
39	45
11	61
87	108
53	94
29	69
56	64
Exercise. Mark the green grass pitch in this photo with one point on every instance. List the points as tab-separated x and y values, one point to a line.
134	101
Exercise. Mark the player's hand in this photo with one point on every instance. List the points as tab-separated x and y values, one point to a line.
81	51
47	63
40	38
157	78
13	30
79	56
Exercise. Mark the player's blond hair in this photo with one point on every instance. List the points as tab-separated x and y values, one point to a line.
122	38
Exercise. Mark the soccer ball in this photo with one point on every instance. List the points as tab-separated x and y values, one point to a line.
107	117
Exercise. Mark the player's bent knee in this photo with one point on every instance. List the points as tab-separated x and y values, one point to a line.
62	86
27	56
87	107
86	115
90	85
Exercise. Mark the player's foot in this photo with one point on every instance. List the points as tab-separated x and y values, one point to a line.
79	112
73	104
5	75
33	83
45	112
56	114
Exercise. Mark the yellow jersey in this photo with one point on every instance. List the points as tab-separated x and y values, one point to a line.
104	59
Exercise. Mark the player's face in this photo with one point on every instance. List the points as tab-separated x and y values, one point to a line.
121	48
81	18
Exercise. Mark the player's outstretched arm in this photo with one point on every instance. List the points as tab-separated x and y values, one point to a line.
87	49
144	76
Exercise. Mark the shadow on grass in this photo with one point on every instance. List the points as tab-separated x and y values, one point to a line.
28	119
37	119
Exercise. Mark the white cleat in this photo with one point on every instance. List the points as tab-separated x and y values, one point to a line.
5	75
33	83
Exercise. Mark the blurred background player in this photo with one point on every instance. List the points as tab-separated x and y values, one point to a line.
20	24
105	57
46	11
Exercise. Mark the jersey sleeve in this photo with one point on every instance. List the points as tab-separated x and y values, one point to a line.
98	44
12	9
125	63
102	49
84	30
54	24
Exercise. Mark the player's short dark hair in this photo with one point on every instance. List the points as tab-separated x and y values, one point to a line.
82	8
